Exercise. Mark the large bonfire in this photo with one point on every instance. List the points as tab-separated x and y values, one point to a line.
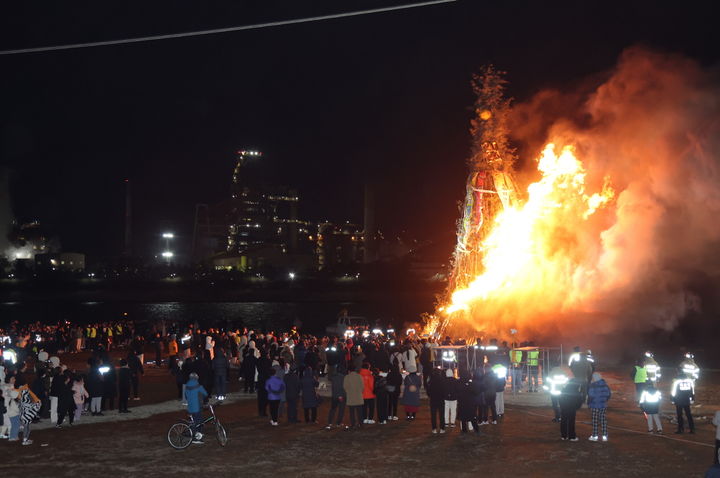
581	246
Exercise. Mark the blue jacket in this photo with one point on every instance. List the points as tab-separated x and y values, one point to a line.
598	394
193	391
275	387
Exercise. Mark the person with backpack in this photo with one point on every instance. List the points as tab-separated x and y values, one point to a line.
411	395
394	383
598	395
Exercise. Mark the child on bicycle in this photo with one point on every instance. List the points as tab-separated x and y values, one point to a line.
194	396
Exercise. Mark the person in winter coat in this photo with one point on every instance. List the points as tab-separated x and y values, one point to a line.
195	394
410	360
136	368
450	390
56	384
274	387
249	368
292	393
353	385
109	382
368	411
66	403
486	395
650	405
124	384
220	366
683	394
467	408
411	395
598	395
339	398
12	407
436	393
79	396
95	389
310	399
263	373
394	384
381	396
571	399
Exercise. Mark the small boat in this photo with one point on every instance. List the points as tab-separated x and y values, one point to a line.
345	322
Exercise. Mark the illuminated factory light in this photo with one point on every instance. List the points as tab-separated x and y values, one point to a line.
168	235
167	254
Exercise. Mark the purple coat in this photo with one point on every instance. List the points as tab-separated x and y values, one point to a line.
275	387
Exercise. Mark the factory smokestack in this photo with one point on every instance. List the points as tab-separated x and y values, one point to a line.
128	219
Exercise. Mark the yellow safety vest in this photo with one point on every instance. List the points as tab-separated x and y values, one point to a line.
533	358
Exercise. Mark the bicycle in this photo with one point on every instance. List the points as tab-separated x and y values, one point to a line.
181	434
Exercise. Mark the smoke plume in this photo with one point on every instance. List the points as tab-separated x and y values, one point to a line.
652	126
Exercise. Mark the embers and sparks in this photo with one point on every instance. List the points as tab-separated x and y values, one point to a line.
523	252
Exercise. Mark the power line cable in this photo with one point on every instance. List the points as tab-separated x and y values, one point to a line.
221	30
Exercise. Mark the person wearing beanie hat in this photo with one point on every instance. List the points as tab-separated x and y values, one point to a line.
598	395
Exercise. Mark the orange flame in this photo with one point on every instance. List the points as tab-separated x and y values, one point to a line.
525	255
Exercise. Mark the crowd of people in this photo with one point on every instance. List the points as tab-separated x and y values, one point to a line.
373	376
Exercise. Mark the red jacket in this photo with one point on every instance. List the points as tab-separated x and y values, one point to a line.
368	383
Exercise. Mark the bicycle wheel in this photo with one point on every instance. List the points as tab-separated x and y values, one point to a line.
221	434
180	436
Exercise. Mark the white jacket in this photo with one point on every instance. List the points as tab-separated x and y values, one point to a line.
10	394
410	360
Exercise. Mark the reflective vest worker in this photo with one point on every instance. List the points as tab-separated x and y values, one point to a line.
533	357
639	376
652	367
650	405
683	393
574	357
689	367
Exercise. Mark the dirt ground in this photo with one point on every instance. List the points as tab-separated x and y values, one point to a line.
525	443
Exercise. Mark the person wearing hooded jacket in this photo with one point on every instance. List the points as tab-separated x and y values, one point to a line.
310	399
411	395
598	395
368	411
275	387
450	390
195	394
466	404
436	394
485	384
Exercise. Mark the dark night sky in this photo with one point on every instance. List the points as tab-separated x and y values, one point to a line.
381	97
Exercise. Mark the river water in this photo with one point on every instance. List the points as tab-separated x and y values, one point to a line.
313	317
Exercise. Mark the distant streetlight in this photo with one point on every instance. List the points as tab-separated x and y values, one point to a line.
291	275
167	254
